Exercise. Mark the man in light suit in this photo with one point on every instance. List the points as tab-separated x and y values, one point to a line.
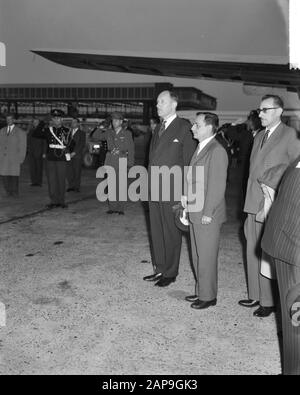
12	154
207	216
278	145
281	240
74	166
171	145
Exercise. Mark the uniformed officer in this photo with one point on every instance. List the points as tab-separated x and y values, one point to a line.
119	145
59	146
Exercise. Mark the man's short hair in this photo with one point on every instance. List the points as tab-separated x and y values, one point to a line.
174	96
210	119
278	102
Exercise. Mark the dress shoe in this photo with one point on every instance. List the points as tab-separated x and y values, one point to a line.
121	212
76	190
70	189
264	311
165	281
110	212
153	277
191	298
203	304
248	303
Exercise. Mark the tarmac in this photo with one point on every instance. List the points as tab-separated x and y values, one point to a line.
72	298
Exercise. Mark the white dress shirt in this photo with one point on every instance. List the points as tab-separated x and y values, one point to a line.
169	120
204	143
272	129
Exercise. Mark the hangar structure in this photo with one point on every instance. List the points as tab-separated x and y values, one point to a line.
136	101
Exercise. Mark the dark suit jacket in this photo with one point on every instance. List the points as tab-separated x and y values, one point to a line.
281	238
282	147
36	147
174	148
79	143
213	160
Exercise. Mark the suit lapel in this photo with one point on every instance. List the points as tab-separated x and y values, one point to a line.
203	151
160	142
272	141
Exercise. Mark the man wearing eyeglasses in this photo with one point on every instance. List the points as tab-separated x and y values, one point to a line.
273	150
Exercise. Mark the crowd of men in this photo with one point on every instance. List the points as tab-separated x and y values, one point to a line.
61	147
270	162
272	205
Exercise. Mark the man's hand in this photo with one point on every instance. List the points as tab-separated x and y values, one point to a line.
184	201
269	193
206	220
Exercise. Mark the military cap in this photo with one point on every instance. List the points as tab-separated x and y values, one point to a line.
117	115
56	112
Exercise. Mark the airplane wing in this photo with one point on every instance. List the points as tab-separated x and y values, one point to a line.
249	70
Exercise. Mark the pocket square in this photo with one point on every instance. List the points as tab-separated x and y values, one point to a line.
175	141
298	165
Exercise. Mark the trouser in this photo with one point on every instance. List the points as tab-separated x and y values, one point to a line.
36	169
288	276
259	287
74	167
11	185
116	204
56	173
205	241
166	239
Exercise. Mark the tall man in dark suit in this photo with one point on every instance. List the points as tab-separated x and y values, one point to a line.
276	146
281	240
74	166
171	145
36	149
206	177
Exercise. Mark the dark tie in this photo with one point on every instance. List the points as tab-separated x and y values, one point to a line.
162	128
265	138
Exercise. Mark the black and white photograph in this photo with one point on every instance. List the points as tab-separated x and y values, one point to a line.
149	190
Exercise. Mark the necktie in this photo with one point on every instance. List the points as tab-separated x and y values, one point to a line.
263	141
162	128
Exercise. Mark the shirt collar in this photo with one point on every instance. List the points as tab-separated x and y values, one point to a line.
204	143
272	129
169	120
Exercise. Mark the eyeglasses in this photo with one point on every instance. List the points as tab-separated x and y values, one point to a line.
264	110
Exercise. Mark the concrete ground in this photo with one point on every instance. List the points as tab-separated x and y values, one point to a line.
75	301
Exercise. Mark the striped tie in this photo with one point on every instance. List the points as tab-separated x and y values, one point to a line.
162	128
265	138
